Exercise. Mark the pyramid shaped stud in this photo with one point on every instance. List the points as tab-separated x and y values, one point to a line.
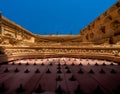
6	70
68	71
80	71
113	71
58	67
50	64
59	78
59	71
72	78
34	64
66	67
13	63
111	64
27	63
16	70
72	64
59	90
39	89
48	71
91	71
96	64
78	90
19	63
26	71
37	71
88	63
20	89
42	64
104	64
80	64
102	71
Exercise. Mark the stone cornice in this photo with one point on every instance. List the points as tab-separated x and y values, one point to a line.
16	26
105	15
59	37
108	53
66	47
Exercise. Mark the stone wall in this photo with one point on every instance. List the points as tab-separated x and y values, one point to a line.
106	25
10	32
105	29
107	53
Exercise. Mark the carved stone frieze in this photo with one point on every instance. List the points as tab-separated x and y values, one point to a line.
97	51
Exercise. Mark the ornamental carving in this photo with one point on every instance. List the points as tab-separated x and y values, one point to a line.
118	11
115	25
63	51
13	41
1	40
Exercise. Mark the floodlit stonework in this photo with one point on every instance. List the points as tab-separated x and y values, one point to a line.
100	39
87	63
105	28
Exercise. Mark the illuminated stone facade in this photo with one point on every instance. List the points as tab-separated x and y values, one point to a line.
106	28
100	39
11	33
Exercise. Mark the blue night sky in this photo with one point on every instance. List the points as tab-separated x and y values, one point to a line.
54	16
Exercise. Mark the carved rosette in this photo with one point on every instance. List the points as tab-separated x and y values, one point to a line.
1	40
13	41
